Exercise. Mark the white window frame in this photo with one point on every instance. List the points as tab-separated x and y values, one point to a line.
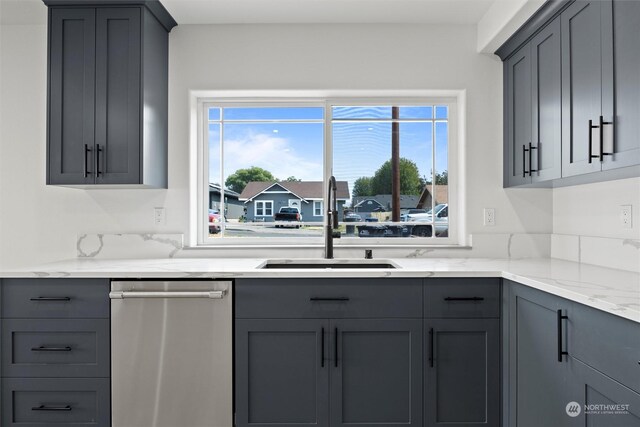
321	202
264	208
201	100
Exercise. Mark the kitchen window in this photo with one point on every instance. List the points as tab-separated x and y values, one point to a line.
265	165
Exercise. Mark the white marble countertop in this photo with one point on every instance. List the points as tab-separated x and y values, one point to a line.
610	290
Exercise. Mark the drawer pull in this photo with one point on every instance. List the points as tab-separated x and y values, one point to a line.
329	299
51	299
51	408
431	342
560	318
43	348
464	299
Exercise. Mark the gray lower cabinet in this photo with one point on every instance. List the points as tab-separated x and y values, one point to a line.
602	401
537	380
375	372
107	99
462	372
567	364
282	372
55	352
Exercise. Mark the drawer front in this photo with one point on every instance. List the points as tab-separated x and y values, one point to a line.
462	298
328	298
606	342
38	402
55	348
55	298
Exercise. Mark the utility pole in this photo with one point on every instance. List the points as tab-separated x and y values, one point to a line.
395	164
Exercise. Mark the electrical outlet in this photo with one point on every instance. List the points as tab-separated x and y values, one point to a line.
625	216
489	217
159	216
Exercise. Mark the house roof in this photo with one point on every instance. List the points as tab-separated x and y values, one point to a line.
384	200
441	193
215	188
302	189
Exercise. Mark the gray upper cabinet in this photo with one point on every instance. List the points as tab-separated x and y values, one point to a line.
518	117
71	96
586	85
533	102
546	66
582	90
105	64
626	54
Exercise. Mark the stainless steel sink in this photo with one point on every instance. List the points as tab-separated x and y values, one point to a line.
327	264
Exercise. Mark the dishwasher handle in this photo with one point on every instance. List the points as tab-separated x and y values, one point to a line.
167	294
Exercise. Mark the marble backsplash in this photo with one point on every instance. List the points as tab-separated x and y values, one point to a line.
153	246
623	254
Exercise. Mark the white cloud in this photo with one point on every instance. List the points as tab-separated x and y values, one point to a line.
273	153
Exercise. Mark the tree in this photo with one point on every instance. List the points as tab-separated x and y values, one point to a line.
410	181
292	179
362	187
239	179
442	178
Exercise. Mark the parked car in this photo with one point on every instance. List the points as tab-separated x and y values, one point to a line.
404	215
441	222
288	215
214	221
352	217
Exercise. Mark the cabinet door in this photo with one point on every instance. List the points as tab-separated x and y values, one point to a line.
546	63
537	380
118	138
71	96
626	52
582	76
462	372
602	401
376	372
282	372
518	117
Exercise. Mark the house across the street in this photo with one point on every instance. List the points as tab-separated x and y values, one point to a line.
234	208
382	202
263	199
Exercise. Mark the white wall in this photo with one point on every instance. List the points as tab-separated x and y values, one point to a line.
40	223
594	209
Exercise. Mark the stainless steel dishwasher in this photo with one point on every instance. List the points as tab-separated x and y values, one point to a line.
171	353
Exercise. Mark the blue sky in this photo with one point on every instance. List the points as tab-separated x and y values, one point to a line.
295	149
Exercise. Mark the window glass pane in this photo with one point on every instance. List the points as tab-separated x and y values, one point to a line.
346	112
442	112
416	112
441	189
274	113
268	169
214	113
362	156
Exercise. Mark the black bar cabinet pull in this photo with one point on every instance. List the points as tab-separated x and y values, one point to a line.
322	348
50	299
561	352
329	299
524	160
51	408
43	348
86	168
531	169
431	347
98	151
590	155
464	299
602	125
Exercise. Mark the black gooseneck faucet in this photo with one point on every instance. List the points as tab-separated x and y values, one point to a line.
331	226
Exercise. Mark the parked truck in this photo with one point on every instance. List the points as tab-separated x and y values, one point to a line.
288	216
